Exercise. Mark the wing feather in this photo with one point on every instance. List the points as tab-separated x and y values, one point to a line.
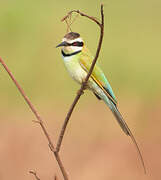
97	74
104	90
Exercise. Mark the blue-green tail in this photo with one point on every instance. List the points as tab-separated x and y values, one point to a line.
124	126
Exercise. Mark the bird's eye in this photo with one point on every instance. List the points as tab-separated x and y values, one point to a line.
75	44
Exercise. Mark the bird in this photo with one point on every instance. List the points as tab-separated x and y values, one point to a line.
78	60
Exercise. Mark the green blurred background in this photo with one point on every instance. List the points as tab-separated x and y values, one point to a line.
130	58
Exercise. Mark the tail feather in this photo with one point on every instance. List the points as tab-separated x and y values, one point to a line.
121	121
127	131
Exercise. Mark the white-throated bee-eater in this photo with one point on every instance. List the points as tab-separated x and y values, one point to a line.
78	60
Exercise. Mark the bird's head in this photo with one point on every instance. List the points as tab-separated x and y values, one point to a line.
72	42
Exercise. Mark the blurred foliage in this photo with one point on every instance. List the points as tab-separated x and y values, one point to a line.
130	56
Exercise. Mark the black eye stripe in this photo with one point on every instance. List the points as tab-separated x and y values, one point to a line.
77	43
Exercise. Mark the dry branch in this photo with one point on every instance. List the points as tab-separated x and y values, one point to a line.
79	93
39	120
82	88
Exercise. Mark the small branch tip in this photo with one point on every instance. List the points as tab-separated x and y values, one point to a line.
35	175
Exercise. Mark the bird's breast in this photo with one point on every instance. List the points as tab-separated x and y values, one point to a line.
74	69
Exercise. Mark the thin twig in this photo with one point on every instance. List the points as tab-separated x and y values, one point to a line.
34	174
82	88
83	14
55	177
39	120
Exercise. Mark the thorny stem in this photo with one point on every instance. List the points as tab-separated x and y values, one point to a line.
82	88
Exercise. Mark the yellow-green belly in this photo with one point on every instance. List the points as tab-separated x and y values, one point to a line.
75	70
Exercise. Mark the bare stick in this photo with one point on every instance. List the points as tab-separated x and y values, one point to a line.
39	120
82	88
34	174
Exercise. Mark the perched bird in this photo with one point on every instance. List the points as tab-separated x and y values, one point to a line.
78	59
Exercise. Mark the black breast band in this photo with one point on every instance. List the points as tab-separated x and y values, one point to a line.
66	55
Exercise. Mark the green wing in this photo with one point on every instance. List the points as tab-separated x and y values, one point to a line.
97	74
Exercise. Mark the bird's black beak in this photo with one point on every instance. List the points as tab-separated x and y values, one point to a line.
62	44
